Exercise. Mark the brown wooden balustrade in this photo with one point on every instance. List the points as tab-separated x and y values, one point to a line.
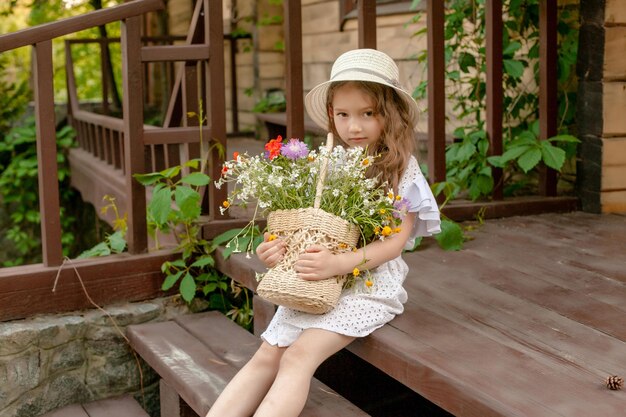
125	146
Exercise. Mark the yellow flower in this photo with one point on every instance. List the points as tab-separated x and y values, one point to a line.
386	231
310	158
390	194
343	246
382	211
398	198
397	230
272	237
366	162
356	272
377	230
368	283
226	203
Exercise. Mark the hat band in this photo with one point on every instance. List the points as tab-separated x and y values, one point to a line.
391	81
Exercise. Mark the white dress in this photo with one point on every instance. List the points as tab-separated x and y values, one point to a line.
360	312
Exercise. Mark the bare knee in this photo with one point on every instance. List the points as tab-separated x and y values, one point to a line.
297	358
267	356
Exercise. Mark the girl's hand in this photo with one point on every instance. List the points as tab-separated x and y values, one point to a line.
270	252
316	263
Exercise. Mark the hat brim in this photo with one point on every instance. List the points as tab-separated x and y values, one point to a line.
315	100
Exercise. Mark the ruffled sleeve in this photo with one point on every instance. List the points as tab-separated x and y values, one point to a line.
414	188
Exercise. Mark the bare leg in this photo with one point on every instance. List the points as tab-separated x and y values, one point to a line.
288	394
245	391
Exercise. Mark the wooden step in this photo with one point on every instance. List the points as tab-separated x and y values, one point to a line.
124	406
197	355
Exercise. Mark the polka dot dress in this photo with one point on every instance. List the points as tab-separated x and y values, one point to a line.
360	311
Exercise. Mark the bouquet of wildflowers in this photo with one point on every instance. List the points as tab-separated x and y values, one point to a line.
285	178
320	196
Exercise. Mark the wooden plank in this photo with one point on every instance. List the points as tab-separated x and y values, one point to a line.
26	291
236	346
123	406
190	368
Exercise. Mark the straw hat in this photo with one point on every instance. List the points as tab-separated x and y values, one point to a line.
358	65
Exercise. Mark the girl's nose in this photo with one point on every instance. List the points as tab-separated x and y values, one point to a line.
354	126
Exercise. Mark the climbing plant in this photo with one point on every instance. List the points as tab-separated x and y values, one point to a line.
469	166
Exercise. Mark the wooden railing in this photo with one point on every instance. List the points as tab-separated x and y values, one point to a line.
122	143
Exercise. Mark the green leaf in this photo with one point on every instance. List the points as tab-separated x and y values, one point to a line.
161	205
187	287
514	68
564	138
529	159
188	202
101	249
552	156
171	172
148	179
196	178
451	236
170	280
226	237
117	242
204	261
511	48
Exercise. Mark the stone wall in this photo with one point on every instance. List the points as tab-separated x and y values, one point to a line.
51	361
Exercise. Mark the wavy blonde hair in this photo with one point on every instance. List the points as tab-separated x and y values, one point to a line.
397	141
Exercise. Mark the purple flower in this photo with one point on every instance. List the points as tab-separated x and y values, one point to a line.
401	208
294	149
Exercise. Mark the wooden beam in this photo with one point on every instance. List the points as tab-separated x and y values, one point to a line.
548	105
26	291
293	55
174	53
494	88
436	92
367	23
134	158
47	168
75	24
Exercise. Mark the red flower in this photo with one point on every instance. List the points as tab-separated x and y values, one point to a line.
273	147
224	170
235	155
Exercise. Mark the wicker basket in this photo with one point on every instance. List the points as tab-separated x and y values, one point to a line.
301	228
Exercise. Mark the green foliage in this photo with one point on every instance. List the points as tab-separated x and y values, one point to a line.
19	188
468	163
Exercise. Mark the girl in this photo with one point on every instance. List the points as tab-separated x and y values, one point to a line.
364	105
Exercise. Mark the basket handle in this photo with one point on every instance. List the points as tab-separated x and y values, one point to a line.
320	180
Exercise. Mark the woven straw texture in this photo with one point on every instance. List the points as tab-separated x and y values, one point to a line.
300	229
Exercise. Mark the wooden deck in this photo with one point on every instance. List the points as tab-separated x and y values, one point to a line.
527	320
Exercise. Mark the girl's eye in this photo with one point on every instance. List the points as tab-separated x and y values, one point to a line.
368	113
340	114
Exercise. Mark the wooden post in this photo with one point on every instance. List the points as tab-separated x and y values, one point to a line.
215	99
134	159
548	110
293	55
52	252
367	23
494	88
436	93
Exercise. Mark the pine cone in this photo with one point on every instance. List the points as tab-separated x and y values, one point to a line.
614	382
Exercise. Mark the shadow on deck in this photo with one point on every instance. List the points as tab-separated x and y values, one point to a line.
527	320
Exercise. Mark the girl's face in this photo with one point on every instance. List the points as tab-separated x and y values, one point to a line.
355	117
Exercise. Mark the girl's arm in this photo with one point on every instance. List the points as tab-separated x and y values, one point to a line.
319	263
